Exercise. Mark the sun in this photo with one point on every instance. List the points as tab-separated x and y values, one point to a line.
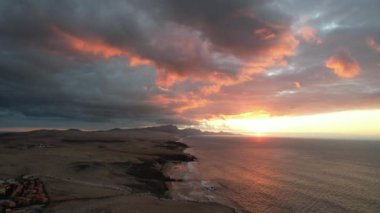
258	124
357	122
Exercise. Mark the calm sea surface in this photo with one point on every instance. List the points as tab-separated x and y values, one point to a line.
281	174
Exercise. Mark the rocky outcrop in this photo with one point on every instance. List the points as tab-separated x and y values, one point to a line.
25	194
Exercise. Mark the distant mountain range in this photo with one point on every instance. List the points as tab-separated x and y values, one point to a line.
172	129
185	132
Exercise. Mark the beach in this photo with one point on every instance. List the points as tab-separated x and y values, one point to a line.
94	171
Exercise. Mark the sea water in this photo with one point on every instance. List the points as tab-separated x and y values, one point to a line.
263	174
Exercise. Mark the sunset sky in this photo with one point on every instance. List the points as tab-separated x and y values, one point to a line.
259	66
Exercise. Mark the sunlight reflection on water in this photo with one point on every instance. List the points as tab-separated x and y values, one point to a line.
282	175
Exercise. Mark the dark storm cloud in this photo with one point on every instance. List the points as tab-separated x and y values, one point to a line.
86	92
42	76
142	62
229	25
320	91
189	38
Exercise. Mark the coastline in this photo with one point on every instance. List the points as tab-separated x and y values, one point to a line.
195	190
113	171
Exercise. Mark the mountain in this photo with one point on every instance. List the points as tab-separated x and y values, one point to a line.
184	132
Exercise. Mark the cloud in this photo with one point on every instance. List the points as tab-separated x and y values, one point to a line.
98	47
125	63
343	65
373	44
309	35
297	84
216	46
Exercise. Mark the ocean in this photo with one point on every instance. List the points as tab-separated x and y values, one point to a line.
263	174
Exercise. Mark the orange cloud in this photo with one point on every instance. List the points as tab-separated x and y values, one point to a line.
373	44
264	34
179	104
343	65
274	55
309	35
297	84
213	82
191	65
98	47
285	47
166	78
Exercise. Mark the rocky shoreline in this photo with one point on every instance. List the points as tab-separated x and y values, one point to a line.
100	171
27	193
23	194
151	173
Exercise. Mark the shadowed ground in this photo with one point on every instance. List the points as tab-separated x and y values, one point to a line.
103	171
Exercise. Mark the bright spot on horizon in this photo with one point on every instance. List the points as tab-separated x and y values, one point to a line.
355	122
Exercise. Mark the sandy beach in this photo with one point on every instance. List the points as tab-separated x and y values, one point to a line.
100	171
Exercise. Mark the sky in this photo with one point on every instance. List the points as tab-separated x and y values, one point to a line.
244	65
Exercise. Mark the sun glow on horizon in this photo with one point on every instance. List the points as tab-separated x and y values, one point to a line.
355	122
